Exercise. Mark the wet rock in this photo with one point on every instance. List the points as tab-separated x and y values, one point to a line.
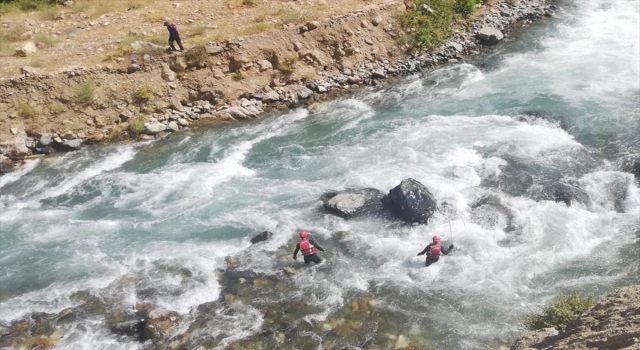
72	145
353	202
534	337
410	201
26	49
5	167
261	237
568	194
173	126
154	128
160	323
130	324
489	35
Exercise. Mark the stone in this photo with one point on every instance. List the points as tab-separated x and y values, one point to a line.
353	202
153	128
261	237
411	202
26	49
145	46
376	20
378	74
17	147
166	73
569	194
73	145
133	68
178	63
313	25
368	41
297	46
173	126
489	35
265	65
218	74
300	91
5	167
364	24
45	140
30	70
530	338
13	130
182	122
271	96
160	323
213	50
236	62
355	79
457	46
175	103
68	135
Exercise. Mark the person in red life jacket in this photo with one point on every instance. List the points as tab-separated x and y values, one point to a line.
308	247
173	35
433	251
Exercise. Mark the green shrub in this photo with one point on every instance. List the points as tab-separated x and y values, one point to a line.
136	125
286	67
143	94
428	29
465	7
237	76
86	91
557	315
25	110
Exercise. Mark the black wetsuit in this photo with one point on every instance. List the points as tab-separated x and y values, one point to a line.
309	258
431	259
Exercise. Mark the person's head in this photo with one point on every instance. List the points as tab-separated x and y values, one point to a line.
167	23
436	239
303	234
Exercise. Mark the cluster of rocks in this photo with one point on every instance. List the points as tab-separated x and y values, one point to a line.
410	201
613	323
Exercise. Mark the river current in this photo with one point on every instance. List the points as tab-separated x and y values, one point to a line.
560	104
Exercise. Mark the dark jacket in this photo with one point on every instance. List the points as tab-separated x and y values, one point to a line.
173	31
295	253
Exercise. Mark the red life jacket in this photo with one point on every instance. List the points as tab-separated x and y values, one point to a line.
434	250
307	248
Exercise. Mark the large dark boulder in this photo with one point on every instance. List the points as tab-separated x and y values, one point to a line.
410	201
5	167
569	194
262	237
353	202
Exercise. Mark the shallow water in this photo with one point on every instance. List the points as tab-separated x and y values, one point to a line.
83	220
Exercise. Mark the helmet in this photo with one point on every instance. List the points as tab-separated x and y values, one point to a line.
303	234
166	23
436	239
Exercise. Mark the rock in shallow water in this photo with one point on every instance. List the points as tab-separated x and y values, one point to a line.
261	237
410	201
354	202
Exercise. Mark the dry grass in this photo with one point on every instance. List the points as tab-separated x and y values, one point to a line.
44	40
26	110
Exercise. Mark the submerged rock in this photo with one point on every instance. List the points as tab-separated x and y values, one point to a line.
160	323
411	201
353	202
568	194
261	237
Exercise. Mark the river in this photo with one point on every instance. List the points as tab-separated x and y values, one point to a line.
558	105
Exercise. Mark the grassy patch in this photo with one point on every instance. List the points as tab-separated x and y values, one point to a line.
85	92
287	67
136	125
25	110
44	40
57	108
237	76
557	315
143	94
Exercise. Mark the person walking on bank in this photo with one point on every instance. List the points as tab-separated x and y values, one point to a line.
174	36
308	247
433	251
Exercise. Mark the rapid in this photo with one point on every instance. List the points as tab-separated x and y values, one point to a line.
491	138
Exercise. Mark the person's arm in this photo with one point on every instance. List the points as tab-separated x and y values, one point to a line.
295	253
316	245
425	250
447	251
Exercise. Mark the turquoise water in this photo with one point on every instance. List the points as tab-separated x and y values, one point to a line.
84	219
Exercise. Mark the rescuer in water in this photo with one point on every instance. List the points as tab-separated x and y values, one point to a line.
308	247
433	251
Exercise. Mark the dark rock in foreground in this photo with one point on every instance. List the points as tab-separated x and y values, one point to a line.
569	194
353	202
410	201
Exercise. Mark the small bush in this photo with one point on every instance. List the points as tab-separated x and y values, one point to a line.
26	110
237	76
286	68
57	108
429	29
85	92
45	40
465	7
136	125
143	94
557	315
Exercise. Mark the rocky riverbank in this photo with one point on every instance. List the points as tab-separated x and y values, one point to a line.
613	323
151	94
